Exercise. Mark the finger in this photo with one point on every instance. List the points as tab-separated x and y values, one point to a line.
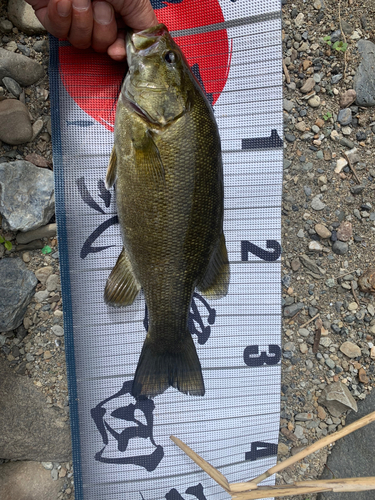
82	24
138	14
105	27
117	50
56	17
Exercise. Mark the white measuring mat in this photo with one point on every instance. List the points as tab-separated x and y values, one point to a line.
121	447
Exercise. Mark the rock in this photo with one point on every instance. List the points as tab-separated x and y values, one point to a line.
37	128
53	282
12	86
322	231
308	86
357	189
27	481
15	124
345	116
41	296
43	273
23	16
353	156
295	264
289	137
5	26
351	350
303	417
363	378
315	246
366	282
58	330
345	231
310	264
353	455
364	79
293	309
314	101
17	287
348	98
336	78
317	204
282	449
23	69
298	21
340	248
337	399
41	46
301	234
29	429
37	160
27	199
47	231
300	126
288	105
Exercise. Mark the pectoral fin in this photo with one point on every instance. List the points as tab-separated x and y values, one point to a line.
122	286
147	158
215	281
110	178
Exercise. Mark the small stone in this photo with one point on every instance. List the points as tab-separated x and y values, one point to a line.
282	449
12	86
318	4
288	105
41	296
345	231
304	348
363	378
314	101
340	164
47	231
315	246
340	248
300	234
357	189
371	309
347	98
52	282
364	79
47	465
334	135
300	126
322	231
351	350
308	86
336	78
299	432
37	160
344	116
26	257
293	309
346	130
289	137
15	125
298	21
58	330
317	204
330	363
295	264
43	273
372	352
337	399
353	306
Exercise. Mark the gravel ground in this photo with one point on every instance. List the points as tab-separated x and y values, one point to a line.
328	233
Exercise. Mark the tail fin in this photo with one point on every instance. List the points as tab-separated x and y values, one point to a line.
158	370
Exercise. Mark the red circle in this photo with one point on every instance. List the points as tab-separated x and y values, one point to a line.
94	80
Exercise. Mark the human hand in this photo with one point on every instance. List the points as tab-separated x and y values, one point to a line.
98	24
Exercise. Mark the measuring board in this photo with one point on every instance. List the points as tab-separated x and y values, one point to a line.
121	447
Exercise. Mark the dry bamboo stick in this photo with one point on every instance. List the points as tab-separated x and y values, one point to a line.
307	487
310	320
203	464
316	446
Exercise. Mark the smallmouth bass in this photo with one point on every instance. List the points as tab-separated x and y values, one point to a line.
166	162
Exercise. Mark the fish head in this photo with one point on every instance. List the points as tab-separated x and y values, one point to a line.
158	83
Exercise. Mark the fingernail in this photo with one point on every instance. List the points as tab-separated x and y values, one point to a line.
81	4
63	8
103	12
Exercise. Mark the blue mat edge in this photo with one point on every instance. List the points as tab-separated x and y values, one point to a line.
62	236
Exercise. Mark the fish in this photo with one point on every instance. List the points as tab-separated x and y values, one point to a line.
167	166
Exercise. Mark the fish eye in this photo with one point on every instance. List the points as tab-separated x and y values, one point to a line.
170	57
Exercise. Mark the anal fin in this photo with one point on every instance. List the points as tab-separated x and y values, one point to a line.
215	281
110	178
122	286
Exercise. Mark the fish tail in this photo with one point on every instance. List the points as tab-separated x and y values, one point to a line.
157	370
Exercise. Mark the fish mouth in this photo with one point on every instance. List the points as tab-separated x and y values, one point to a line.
145	41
